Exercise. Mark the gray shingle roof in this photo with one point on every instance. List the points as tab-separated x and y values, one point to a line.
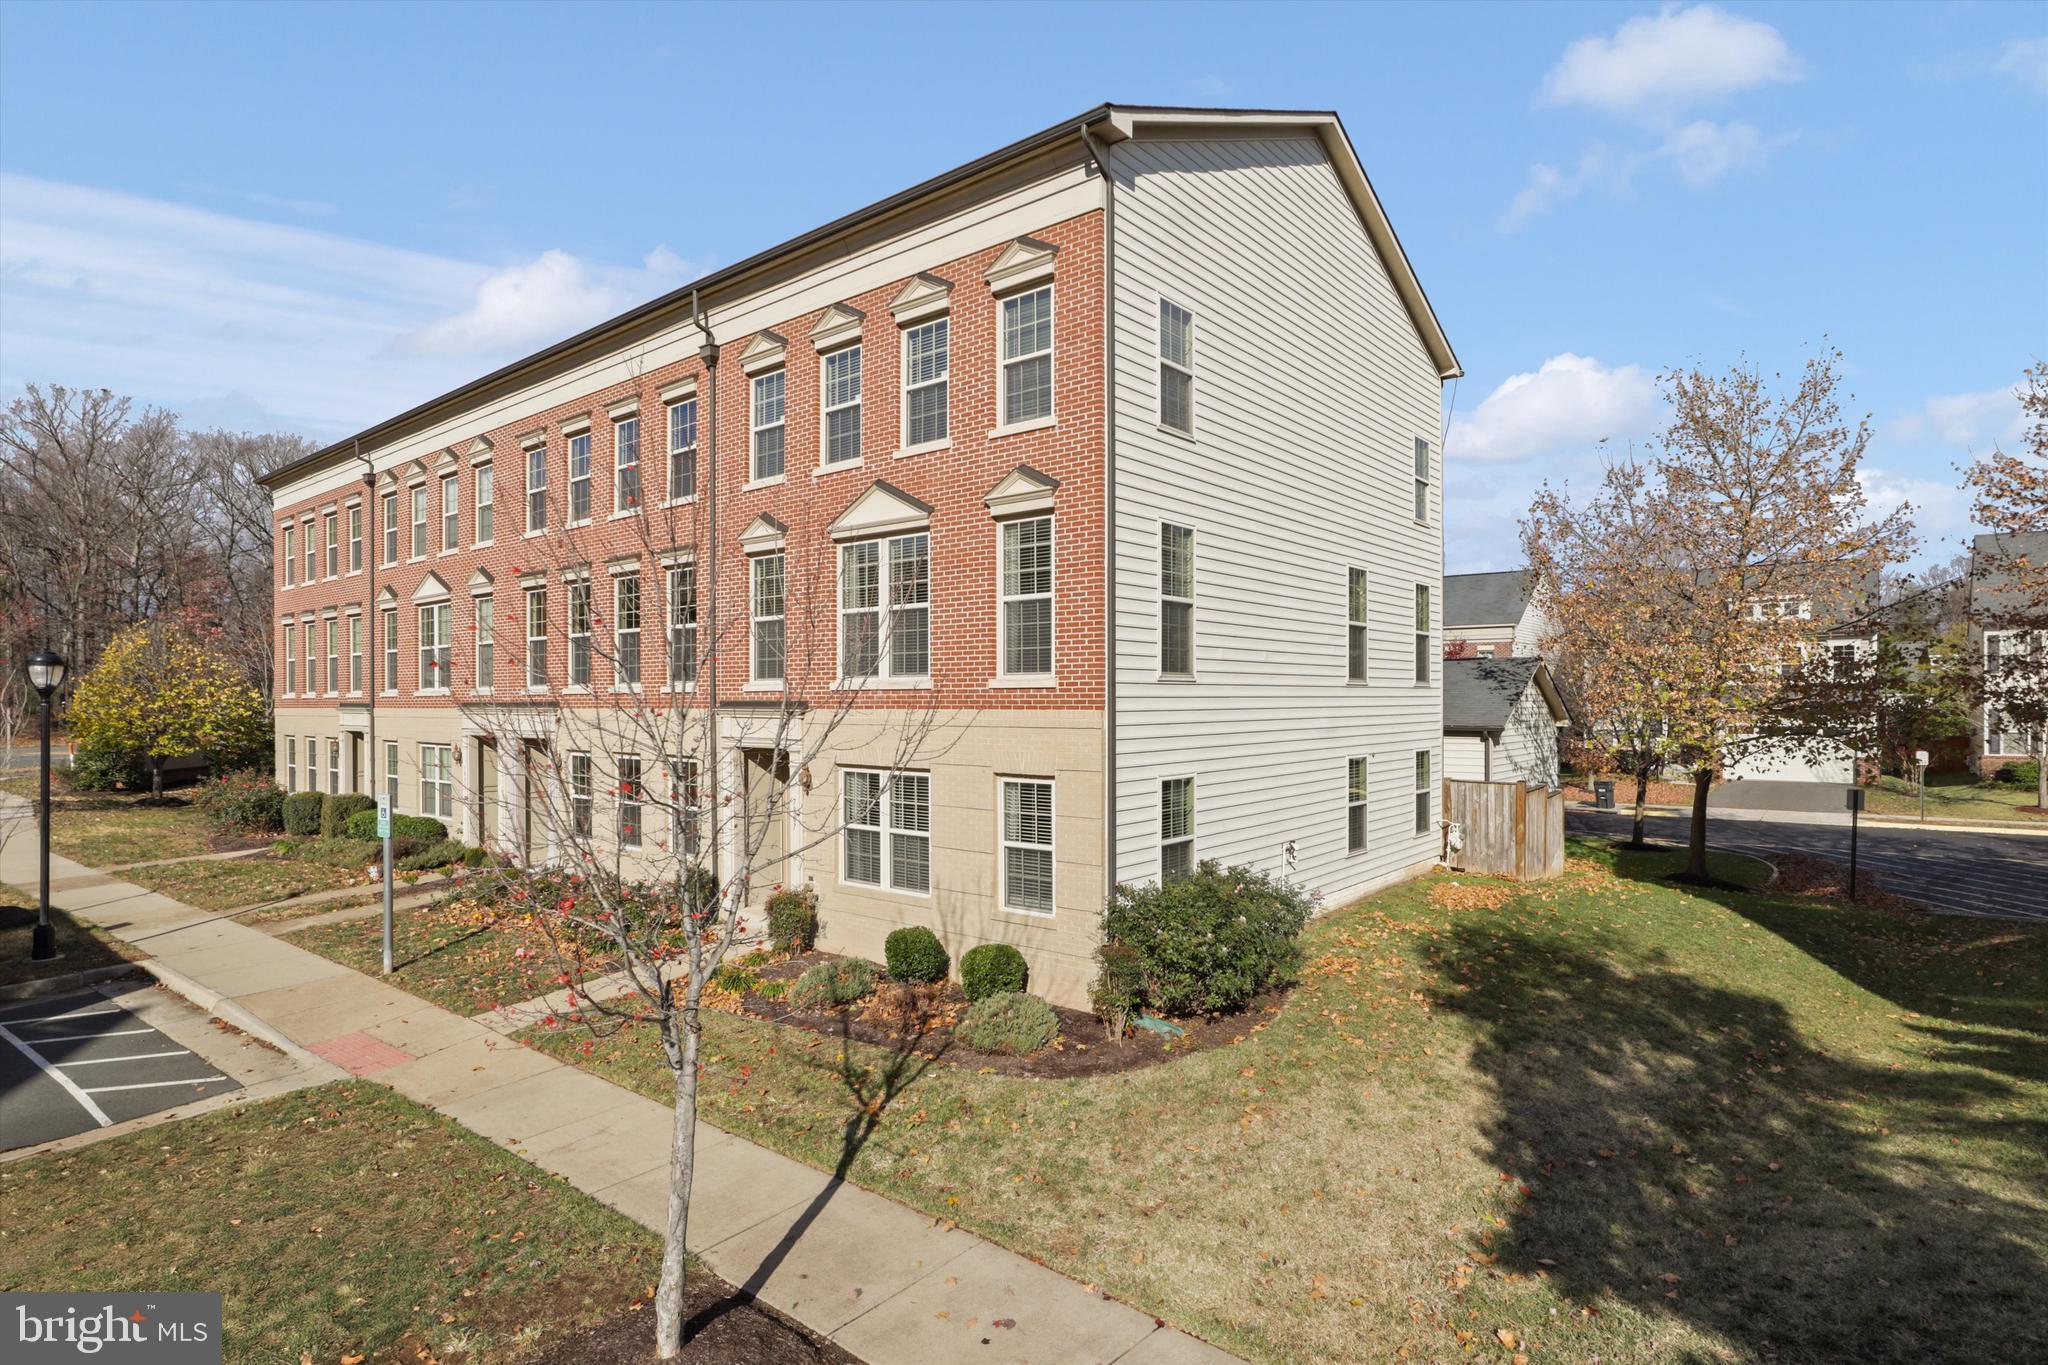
1479	693
1485	599
1991	588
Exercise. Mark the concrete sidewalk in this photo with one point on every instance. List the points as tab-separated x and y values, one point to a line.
885	1282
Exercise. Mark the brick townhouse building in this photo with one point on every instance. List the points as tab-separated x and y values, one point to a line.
1110	458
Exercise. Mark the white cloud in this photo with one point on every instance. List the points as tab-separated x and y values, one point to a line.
2025	60
1657	65
1704	151
546	299
1940	510
1569	405
1550	186
252	322
1962	423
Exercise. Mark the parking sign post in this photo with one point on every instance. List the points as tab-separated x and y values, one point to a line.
1855	815
1920	761
384	833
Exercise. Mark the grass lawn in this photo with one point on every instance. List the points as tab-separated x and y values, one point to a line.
80	947
444	953
107	829
337	1222
1953	796
230	883
1603	1117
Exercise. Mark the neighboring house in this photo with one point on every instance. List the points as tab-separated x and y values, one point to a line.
1129	424
1998	644
1501	721
1850	643
1494	615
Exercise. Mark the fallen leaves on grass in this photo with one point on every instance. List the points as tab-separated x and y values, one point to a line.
1488	895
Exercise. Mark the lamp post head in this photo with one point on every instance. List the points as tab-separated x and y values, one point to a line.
45	672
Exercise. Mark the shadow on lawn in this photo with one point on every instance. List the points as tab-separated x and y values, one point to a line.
1691	1155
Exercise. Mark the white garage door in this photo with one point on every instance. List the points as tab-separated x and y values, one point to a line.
1836	765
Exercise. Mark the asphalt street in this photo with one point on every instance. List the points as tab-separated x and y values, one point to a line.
1952	871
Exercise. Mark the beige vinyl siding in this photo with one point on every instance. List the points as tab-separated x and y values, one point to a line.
1311	386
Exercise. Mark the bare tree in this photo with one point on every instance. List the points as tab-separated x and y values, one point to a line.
235	539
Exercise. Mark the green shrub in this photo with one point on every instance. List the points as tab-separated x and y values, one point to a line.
1210	940
915	954
336	810
1119	989
1011	1023
475	857
102	770
2025	773
841	981
363	825
793	920
245	802
437	854
772	990
992	969
302	813
287	848
735	978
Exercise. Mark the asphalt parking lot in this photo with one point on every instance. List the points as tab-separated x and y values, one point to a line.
95	1058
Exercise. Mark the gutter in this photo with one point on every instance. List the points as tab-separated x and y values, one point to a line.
1109	852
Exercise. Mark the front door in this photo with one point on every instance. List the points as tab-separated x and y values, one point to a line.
532	847
358	776
767	829
487	789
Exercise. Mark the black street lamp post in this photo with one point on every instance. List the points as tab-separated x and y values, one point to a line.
45	674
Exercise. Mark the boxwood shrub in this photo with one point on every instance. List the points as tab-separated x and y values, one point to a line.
1210	940
302	813
992	969
841	981
1010	1022
363	825
337	809
793	920
915	954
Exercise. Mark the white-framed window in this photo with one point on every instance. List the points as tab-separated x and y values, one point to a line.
579	478
839	383
626	465
536	638
1026	597
312	564
355	538
927	368
434	648
312	659
451	512
626	628
486	643
390	615
689	820
390	502
1176	827
767	604
682	450
682	625
885	594
334	766
291	658
537	488
1421	479
437	780
419	521
582	795
1357	644
486	493
1842	658
886	839
1176	367
1176	601
331	529
631	797
291	558
1422	649
1027	849
291	763
391	772
1424	792
1024	378
770	392
579	634
1356	774
333	631
355	654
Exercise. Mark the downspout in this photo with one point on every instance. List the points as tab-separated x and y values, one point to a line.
707	553
1109	850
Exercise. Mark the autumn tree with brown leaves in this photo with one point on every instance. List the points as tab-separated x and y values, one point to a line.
1705	574
2011	588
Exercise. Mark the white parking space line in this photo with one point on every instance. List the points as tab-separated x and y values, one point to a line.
71	1014
110	1033
99	1115
152	1085
131	1057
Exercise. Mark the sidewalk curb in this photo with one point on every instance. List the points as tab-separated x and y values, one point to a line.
226	1010
69	981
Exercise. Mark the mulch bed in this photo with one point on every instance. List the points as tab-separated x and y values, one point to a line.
1807	877
721	1324
920	1019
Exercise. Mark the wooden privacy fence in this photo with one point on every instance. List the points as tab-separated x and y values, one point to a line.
1506	828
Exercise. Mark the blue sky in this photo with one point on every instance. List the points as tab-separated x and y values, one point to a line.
307	217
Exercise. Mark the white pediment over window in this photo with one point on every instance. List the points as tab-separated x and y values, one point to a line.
447	459
837	326
388	597
479	450
416	472
764	352
431	589
1023	489
763	534
926	296
480	582
1024	261
882	509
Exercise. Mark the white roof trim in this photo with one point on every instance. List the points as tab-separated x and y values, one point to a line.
837	326
764	352
431	589
763	535
1026	261
881	509
925	296
1021	490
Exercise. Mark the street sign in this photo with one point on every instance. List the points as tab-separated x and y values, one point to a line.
384	816
1920	757
1855	798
